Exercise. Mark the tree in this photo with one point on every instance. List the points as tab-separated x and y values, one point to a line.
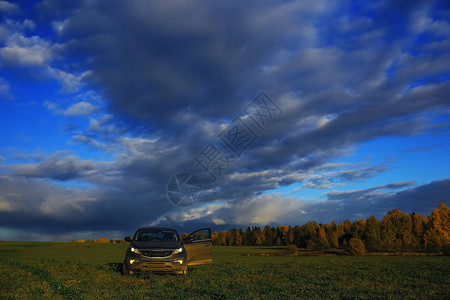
238	238
418	229
290	236
278	242
219	238
334	241
347	226
298	238
310	235
270	235
396	230
372	234
356	247
282	233
322	239
438	234
248	237
260	237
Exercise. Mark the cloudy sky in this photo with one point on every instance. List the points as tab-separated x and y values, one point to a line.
103	102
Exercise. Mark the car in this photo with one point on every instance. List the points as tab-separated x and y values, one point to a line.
160	249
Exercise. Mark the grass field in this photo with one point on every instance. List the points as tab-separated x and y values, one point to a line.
86	271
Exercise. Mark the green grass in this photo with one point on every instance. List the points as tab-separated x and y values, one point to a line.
91	271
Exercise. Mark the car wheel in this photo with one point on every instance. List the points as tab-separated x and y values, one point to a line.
125	271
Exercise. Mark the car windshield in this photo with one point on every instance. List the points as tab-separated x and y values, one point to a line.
155	235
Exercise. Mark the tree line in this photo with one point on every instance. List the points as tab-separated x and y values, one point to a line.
397	231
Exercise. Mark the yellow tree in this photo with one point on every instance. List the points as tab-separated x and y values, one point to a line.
260	237
439	227
418	228
323	242
396	230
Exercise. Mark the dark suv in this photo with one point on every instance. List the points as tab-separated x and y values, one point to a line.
161	249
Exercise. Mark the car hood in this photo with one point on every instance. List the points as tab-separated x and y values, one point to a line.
157	244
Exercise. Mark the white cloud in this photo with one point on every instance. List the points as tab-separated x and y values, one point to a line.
266	209
8	7
80	108
25	56
263	210
218	221
90	141
70	82
5	206
4	90
23	51
197	212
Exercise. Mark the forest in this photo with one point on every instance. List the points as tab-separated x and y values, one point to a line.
397	231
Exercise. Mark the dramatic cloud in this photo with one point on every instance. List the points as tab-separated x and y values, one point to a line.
145	87
353	205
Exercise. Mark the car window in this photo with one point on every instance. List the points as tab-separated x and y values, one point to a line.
156	235
201	235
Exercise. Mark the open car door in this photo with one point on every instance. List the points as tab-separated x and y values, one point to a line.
198	246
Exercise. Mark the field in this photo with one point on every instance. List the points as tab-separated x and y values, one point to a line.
87	271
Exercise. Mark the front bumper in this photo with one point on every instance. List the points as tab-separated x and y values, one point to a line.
144	264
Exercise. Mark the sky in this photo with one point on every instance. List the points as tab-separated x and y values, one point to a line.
116	114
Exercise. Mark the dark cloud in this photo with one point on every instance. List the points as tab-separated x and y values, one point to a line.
173	75
57	166
378	200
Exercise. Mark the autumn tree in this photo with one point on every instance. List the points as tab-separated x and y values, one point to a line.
260	237
310	235
438	234
372	234
332	237
356	247
322	239
419	223
396	230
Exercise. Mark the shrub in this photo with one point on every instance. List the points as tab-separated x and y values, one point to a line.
291	249
102	240
356	247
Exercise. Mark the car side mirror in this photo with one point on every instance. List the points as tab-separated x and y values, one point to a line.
127	239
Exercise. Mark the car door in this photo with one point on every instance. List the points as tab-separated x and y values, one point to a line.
198	246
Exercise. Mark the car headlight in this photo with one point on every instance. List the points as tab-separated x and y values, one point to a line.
135	250
177	250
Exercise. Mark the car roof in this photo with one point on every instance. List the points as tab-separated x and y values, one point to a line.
157	228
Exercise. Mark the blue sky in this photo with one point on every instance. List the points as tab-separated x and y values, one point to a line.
103	102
